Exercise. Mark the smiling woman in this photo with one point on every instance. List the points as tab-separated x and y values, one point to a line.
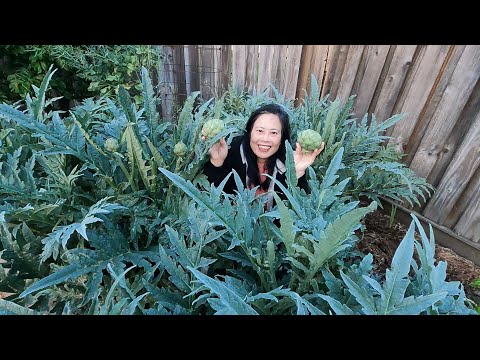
260	150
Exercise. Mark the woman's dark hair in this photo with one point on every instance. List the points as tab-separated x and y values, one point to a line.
252	172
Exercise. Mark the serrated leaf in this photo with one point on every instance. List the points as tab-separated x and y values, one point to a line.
228	301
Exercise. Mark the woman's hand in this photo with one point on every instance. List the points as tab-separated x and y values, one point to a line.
218	152
303	161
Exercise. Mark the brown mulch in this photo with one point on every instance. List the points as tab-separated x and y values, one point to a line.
382	241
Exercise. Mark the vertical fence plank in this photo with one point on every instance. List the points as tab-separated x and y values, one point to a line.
251	67
382	79
239	54
433	99
314	58
271	79
457	134
188	71
166	83
367	77
217	70
463	201
469	223
401	62
192	68
291	71
280	63
454	98
226	67
335	70
333	54
347	78
319	62
456	178
179	75
413	97
207	78
304	71
266	68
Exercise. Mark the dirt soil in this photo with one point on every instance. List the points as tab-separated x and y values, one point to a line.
382	241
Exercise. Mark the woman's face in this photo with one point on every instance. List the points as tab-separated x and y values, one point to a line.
266	136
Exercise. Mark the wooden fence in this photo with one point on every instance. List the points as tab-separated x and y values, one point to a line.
437	86
188	68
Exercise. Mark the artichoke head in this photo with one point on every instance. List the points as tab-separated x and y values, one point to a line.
180	149
309	140
111	144
212	127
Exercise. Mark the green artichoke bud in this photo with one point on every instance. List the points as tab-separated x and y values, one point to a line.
180	149
309	140
212	127
111	144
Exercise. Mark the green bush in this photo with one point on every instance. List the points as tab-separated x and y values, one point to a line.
83	70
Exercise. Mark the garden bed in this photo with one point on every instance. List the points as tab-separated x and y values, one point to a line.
382	240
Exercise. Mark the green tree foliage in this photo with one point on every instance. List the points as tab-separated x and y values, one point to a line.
84	70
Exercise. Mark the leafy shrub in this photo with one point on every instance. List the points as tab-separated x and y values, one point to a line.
85	70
